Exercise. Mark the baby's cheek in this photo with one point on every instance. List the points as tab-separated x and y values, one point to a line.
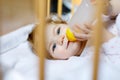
61	54
59	51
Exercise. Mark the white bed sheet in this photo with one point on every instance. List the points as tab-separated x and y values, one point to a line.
21	63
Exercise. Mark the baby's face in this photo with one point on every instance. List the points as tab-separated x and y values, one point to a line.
57	43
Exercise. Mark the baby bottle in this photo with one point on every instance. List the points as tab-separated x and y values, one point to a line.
84	14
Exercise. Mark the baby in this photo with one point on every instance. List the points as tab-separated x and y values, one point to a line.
59	47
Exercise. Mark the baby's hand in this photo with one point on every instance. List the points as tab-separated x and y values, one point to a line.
82	32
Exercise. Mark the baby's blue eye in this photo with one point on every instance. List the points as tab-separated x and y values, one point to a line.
53	47
58	31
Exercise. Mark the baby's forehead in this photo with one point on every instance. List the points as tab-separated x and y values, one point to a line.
49	34
53	24
51	27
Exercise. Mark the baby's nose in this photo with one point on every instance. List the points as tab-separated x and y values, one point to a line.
61	39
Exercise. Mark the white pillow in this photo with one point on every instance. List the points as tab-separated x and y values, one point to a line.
15	38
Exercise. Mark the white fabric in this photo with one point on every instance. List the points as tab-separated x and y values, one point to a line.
112	47
22	63
15	38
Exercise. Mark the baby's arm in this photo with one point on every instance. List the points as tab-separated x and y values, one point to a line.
82	32
115	4
107	35
85	32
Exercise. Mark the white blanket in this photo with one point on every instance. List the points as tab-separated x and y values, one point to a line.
20	63
20	60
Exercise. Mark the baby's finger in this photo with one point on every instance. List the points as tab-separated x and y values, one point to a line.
75	29
82	36
83	28
88	26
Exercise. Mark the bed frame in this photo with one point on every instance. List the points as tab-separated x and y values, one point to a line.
16	13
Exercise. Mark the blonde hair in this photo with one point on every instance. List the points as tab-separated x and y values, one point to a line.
54	18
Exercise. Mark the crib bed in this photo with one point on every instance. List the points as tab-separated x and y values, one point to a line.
15	14
23	13
19	62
